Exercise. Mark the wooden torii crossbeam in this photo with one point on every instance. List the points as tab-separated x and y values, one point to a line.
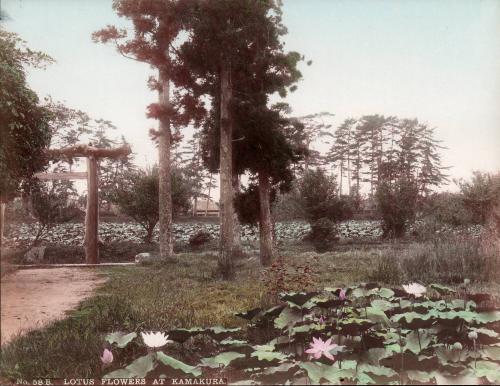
93	154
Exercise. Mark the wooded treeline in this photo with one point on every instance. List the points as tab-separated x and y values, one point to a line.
363	147
218	65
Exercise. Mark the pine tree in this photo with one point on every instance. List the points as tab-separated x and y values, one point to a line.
314	127
235	57
341	152
157	24
371	134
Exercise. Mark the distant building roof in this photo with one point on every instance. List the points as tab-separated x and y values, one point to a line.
201	205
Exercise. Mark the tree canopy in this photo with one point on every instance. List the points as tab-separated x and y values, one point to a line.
24	122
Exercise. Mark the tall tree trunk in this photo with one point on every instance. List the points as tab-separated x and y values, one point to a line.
208	195
226	185
149	233
92	214
195	206
341	175
236	226
2	222
165	170
265	222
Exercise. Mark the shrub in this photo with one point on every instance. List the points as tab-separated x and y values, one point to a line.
288	207
396	198
319	198
137	197
247	206
50	205
448	208
199	238
480	194
323	207
323	234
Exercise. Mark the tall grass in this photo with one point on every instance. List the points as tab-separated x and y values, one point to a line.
447	260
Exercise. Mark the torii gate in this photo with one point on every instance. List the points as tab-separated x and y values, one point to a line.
92	213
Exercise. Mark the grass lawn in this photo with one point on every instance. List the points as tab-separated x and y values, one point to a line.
181	294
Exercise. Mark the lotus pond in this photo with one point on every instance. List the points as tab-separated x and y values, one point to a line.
363	334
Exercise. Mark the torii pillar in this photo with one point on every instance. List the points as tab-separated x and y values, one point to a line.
92	213
93	154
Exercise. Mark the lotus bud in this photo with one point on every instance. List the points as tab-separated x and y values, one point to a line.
457	346
472	335
466	281
107	357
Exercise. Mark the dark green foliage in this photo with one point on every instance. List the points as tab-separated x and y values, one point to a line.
244	36
307	130
51	205
396	197
323	234
480	195
361	146
247	205
24	123
137	197
181	193
288	206
323	207
199	239
448	208
320	199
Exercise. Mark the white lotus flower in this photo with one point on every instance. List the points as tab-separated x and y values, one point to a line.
415	289
155	339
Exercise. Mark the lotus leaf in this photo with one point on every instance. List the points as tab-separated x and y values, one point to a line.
489	370
249	315
297	298
380	371
318	371
287	318
178	365
182	334
223	359
413	338
420	376
377	315
283	368
269	356
139	368
120	338
442	290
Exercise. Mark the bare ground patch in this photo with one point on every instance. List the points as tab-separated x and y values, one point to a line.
32	298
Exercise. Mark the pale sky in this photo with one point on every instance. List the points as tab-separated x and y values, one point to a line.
438	61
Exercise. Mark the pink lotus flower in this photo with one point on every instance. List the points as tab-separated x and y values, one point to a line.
342	294
107	357
322	319
318	348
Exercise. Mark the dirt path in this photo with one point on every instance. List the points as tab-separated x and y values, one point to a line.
31	298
